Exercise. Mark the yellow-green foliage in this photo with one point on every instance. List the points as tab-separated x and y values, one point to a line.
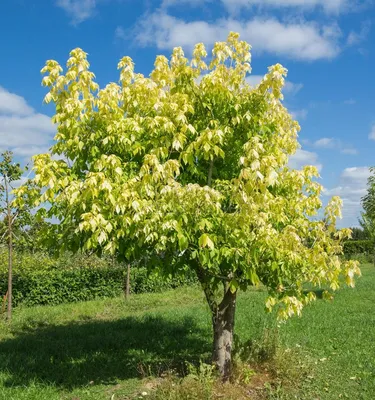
191	165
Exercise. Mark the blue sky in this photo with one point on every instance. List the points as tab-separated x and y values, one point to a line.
328	47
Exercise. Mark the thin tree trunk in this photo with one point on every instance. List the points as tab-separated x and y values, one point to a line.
223	328
10	276
127	285
10	253
5	298
210	169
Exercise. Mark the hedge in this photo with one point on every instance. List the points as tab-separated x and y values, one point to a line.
41	279
354	247
67	286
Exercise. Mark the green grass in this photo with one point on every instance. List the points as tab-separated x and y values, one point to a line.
101	349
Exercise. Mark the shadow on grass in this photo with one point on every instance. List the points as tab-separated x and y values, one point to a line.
100	352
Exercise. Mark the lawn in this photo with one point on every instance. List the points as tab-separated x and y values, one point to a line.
102	349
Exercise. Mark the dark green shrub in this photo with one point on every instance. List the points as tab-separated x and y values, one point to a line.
64	286
356	247
40	279
362	258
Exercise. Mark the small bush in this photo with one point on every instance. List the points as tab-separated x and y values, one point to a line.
188	388
198	384
256	351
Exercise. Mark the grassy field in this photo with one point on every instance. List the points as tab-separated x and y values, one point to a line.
103	349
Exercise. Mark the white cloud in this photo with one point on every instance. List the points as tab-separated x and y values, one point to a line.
350	151
254	80
355	38
299	40
292	88
372	133
193	3
29	151
325	143
234	6
329	6
351	211
11	103
363	52
78	10
356	175
345	191
299	114
22	130
332	143
351	189
350	102
304	157
120	33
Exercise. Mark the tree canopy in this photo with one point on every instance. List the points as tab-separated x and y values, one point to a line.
368	201
190	165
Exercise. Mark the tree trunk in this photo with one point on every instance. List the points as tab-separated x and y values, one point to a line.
127	285
223	327
209	179
5	298
223	315
10	251
10	275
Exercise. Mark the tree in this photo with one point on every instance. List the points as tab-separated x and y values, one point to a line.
367	220
189	166
9	172
360	233
368	201
368	226
367	223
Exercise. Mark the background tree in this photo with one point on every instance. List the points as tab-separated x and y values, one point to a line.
367	220
368	224
368	227
360	233
30	233
368	201
9	173
189	166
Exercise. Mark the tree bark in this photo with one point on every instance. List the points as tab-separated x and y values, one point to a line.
5	298
210	169
223	327
223	315
127	285
10	252
10	276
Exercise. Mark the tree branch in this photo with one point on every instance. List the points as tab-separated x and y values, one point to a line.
209	179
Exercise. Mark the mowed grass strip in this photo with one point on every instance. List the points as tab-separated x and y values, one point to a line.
98	349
